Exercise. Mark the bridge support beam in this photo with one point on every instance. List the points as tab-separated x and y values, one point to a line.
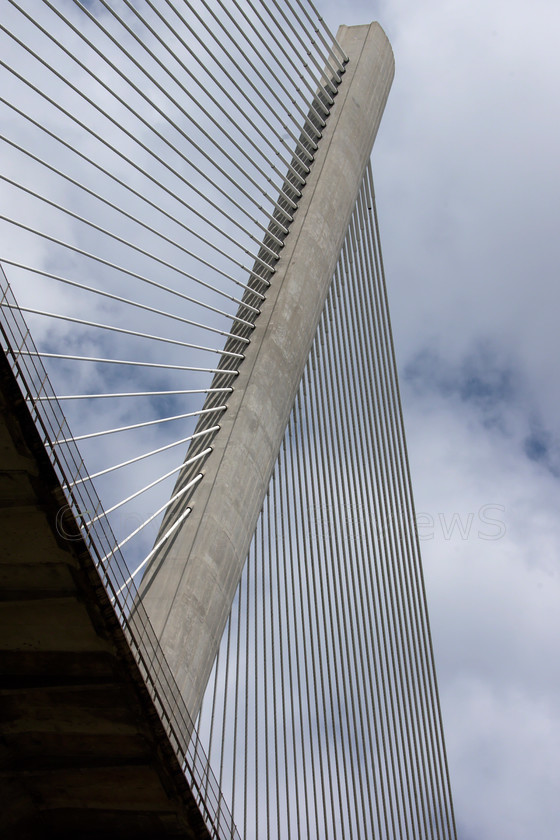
189	588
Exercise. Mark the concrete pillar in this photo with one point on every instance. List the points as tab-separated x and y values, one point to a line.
188	592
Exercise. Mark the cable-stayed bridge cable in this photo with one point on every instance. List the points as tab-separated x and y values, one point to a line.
350	727
170	142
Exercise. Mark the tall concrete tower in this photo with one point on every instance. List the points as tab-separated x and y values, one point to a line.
189	587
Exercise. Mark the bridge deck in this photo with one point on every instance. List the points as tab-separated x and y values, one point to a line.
83	752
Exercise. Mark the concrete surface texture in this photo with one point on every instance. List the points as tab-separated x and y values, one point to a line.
189	591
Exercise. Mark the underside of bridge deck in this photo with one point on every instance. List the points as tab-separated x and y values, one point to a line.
83	752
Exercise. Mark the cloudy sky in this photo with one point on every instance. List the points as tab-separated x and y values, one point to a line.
468	183
467	176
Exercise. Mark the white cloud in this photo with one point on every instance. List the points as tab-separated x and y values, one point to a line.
467	178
